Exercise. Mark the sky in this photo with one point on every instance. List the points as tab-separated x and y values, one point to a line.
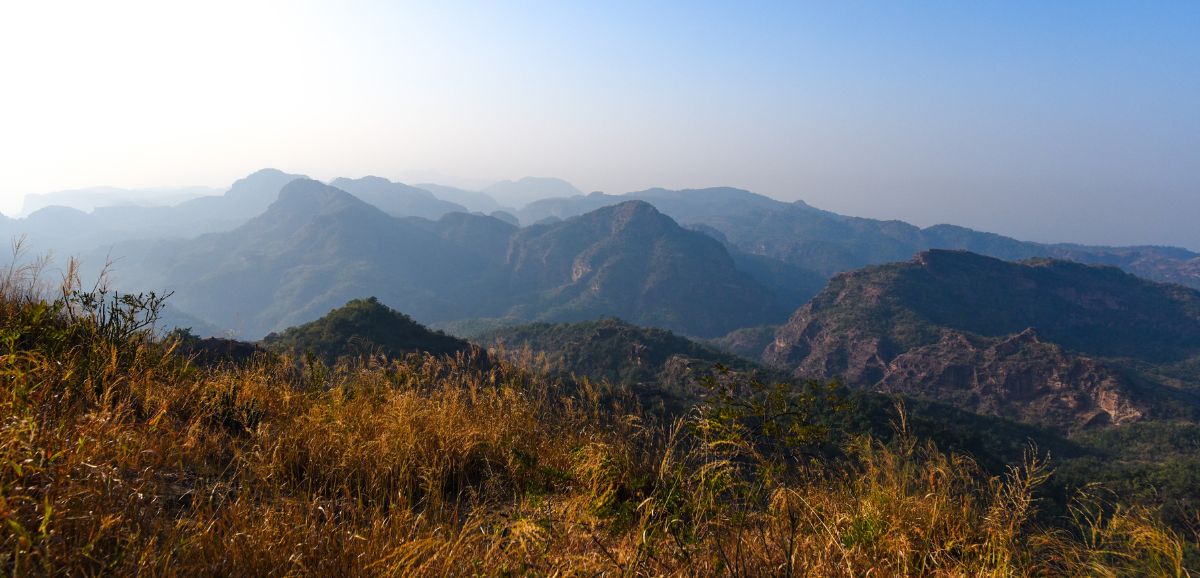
1062	121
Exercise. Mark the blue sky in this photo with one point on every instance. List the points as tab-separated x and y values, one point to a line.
1065	121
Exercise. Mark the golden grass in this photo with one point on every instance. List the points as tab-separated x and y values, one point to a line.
122	458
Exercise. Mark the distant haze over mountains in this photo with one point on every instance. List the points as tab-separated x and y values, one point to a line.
317	247
397	199
1047	220
91	198
1018	214
700	261
529	189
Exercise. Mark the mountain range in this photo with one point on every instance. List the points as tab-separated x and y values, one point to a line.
397	199
761	233
70	231
318	246
826	243
89	228
526	190
91	198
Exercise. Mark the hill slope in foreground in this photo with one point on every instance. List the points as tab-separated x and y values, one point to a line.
123	458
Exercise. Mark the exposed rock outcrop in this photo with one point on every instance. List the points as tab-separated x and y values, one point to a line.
1051	343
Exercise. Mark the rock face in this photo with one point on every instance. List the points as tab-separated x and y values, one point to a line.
1052	343
1018	377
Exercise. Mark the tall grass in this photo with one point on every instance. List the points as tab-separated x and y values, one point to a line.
119	456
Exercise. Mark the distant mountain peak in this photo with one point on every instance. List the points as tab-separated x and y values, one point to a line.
378	184
626	209
397	199
59	216
636	212
630	217
59	211
265	173
935	257
704	194
528	189
260	182
540	182
310	191
630	260
368	179
303	199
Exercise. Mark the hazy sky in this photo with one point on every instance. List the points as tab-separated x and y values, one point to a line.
1064	121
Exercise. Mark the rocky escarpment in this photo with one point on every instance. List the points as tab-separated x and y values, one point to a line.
1018	377
1056	344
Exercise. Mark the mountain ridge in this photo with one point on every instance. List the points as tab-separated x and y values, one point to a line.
1053	342
318	246
397	199
826	243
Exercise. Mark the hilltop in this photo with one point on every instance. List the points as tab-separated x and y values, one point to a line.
631	261
364	327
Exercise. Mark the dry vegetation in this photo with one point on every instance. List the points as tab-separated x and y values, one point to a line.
118	456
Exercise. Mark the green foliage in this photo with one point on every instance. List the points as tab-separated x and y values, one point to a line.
364	328
1156	464
660	367
117	318
1094	310
780	422
106	334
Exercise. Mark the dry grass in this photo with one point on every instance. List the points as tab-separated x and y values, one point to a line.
119	457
